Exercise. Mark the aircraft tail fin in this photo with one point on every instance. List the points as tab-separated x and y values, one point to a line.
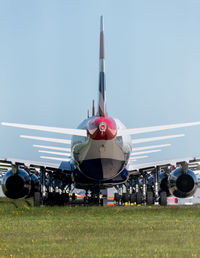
102	86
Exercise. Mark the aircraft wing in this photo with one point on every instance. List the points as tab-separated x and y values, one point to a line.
154	128
159	138
59	166
132	166
79	132
83	132
46	139
134	141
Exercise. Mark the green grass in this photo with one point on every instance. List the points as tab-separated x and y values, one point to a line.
26	231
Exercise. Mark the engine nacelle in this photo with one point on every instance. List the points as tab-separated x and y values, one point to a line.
182	184
19	184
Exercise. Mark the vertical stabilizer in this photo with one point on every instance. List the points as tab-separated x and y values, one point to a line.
102	86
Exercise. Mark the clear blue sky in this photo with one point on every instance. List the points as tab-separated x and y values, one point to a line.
49	67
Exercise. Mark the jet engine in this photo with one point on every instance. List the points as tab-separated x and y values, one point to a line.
17	183
182	182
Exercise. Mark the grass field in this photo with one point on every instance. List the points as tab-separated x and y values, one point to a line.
26	231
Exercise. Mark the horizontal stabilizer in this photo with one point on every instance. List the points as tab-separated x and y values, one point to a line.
79	132
51	148
159	138
55	153
154	128
143	152
46	139
151	147
54	158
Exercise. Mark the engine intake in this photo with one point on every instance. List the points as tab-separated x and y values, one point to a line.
182	184
19	184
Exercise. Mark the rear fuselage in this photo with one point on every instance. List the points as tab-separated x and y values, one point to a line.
101	156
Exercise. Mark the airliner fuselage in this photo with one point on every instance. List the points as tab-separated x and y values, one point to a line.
101	156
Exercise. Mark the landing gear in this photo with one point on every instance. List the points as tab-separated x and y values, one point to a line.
133	198
150	198
40	194
139	197
117	198
42	183
130	194
95	197
54	188
37	199
142	188
160	194
156	185
145	188
163	199
125	197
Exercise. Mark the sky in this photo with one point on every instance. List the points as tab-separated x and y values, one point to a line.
49	68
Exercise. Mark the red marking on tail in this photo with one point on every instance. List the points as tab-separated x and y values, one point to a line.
102	128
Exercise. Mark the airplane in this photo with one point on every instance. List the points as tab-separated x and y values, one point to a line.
101	149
